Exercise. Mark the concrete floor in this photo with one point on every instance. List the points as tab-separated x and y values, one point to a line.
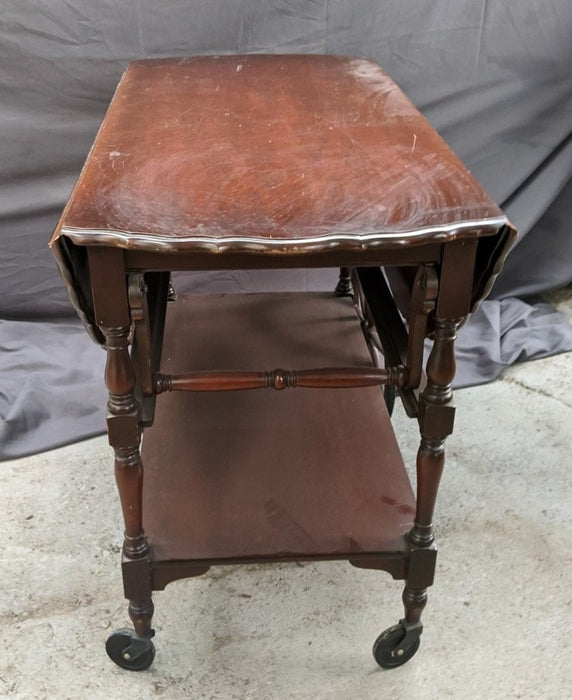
497	624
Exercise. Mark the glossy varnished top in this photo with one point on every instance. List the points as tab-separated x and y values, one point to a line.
270	154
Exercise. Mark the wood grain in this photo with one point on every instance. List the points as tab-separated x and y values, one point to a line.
271	474
270	153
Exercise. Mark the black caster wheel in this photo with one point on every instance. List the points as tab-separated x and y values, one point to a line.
129	651
392	648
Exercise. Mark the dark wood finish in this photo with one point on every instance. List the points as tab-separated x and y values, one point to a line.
113	317
424	292
436	413
270	161
267	162
148	294
295	474
165	572
400	281
141	615
388	323
124	436
456	279
382	316
123	423
142	345
109	289
344	287
270	152
280	379
143	260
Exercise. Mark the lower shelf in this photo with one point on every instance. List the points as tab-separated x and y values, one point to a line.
255	475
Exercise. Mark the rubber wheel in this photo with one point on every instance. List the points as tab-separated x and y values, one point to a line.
142	654
387	650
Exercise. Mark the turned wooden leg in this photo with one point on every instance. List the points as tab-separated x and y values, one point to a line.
141	614
124	436
399	643
129	648
344	287
436	423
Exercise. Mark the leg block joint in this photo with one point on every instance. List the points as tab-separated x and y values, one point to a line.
421	566
123	431
137	577
436	422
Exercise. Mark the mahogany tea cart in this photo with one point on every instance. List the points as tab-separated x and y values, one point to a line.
246	162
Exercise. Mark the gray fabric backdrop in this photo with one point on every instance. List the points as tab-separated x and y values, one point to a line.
493	76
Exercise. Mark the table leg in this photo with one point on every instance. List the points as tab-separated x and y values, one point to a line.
344	287
398	644
130	650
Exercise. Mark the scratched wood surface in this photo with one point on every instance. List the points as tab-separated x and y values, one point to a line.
270	153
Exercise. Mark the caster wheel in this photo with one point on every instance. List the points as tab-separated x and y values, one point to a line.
388	650
129	651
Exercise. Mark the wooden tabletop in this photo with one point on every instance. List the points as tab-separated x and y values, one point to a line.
270	154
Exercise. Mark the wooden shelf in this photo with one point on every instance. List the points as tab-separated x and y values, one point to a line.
248	475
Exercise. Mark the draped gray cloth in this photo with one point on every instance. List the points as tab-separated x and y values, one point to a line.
494	77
